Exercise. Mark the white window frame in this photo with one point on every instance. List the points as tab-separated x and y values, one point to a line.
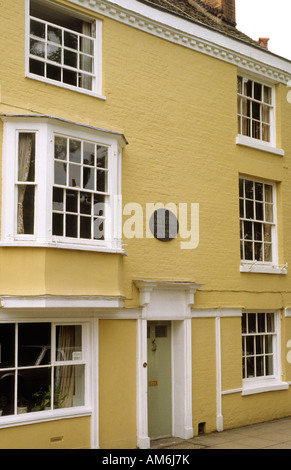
258	143
263	266
45	128
48	415
273	382
97	80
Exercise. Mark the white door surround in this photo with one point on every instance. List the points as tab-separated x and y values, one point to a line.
167	301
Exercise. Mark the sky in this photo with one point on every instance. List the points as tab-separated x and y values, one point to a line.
267	18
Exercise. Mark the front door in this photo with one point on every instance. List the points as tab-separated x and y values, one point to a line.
159	379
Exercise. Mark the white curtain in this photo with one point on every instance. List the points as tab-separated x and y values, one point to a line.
24	159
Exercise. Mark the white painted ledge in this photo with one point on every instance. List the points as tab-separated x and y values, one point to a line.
262	269
258	145
271	385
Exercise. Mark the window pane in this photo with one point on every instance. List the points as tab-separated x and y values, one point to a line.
268	344
54	73
69	386
248	231
268	193
269	365
244	323
71	226
58	225
7	383
54	35
89	154
54	53
249	189
58	199
60	173
260	344
71	201
101	181
75	151
70	58
25	214
259	211
85	227
70	77
257	91
267	95
99	205
86	63
102	157
32	384
75	176
26	157
268	252
85	203
258	251
7	346
260	366
270	322
251	323
99	229
269	212
88	178
248	251
250	367
34	341
239	85
258	231
37	29
37	48
71	40
60	148
261	323
68	342
36	67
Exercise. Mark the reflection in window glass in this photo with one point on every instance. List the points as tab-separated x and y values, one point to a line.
34	381
69	343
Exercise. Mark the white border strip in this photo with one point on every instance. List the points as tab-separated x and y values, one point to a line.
192	35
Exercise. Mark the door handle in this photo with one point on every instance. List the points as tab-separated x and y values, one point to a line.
145	364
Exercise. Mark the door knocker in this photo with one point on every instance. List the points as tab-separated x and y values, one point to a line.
155	346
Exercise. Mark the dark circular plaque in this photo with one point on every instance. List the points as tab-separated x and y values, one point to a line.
164	225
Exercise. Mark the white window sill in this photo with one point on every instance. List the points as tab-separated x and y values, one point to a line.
263	269
258	145
253	386
64	85
65	246
42	416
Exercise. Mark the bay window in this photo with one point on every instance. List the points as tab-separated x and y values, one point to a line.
62	187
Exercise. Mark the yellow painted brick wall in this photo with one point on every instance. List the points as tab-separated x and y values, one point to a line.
117	384
177	109
61	434
203	374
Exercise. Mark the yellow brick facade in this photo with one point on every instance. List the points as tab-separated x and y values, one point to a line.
177	108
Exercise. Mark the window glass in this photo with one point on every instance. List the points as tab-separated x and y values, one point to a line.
258	344
61	47
256	220
35	380
254	109
80	212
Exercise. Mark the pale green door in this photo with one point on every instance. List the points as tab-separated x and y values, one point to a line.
159	379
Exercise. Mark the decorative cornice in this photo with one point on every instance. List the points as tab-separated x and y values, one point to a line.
170	32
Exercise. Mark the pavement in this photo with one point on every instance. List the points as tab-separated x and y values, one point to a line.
270	435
